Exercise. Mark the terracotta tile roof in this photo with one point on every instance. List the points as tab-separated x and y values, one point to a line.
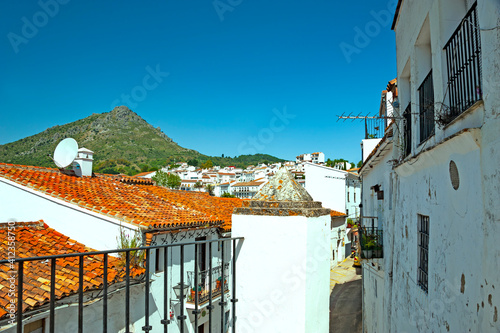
152	207
254	183
334	213
142	174
38	239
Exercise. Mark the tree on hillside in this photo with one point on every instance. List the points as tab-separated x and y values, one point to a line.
193	162
360	163
207	164
168	180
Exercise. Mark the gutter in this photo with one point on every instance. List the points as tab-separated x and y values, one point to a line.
396	14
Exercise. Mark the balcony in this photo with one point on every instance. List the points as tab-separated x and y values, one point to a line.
375	128
112	290
463	58
211	284
371	243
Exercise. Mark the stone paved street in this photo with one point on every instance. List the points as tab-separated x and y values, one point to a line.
345	298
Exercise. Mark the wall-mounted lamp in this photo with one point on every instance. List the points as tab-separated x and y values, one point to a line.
178	288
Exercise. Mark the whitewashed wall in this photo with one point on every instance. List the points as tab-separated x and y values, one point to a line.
283	273
367	146
326	185
92	229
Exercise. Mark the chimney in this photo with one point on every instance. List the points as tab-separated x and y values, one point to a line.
82	165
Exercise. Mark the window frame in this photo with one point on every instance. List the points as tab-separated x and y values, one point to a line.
423	252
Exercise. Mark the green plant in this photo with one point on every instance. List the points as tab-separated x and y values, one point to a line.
227	195
167	179
210	189
129	241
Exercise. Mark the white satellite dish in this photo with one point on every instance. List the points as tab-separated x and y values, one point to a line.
66	151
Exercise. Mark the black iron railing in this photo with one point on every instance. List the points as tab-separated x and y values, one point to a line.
463	57
371	242
375	128
426	107
22	263
214	281
407	131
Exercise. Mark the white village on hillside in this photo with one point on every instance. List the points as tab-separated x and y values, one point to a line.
265	249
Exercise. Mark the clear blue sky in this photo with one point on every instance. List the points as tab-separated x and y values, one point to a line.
230	63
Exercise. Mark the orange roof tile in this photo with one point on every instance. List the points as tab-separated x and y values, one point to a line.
38	239
334	213
142	174
147	206
254	183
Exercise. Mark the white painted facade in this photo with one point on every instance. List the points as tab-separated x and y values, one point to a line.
283	273
463	281
367	146
336	189
338	240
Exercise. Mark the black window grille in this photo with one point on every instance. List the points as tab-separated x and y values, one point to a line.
426	105
407	130
423	252
463	57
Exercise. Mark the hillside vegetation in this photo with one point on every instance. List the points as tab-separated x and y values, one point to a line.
123	142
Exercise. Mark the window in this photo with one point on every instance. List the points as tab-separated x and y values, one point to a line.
463	57
423	251
426	105
348	196
407	130
158	262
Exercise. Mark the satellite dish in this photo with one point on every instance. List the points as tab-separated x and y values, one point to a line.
66	151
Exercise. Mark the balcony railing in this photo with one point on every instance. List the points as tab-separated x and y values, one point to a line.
426	106
463	57
372	243
375	128
53	262
407	131
210	282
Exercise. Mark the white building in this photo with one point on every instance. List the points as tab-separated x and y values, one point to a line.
94	211
291	232
337	189
314	158
430	188
247	190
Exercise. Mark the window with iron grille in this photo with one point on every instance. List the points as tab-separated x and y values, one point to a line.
426	106
407	130
463	58
423	251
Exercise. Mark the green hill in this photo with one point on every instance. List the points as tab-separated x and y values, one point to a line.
123	142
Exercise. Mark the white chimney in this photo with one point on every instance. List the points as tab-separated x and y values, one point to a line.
82	165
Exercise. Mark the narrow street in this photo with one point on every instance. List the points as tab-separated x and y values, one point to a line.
345	298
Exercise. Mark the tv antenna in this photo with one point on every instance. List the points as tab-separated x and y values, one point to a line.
65	152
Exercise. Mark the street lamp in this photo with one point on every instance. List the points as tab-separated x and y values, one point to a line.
178	288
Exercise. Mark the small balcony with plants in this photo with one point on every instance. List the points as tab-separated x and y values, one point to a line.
371	243
209	284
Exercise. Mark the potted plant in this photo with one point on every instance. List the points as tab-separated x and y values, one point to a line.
369	245
218	283
193	293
